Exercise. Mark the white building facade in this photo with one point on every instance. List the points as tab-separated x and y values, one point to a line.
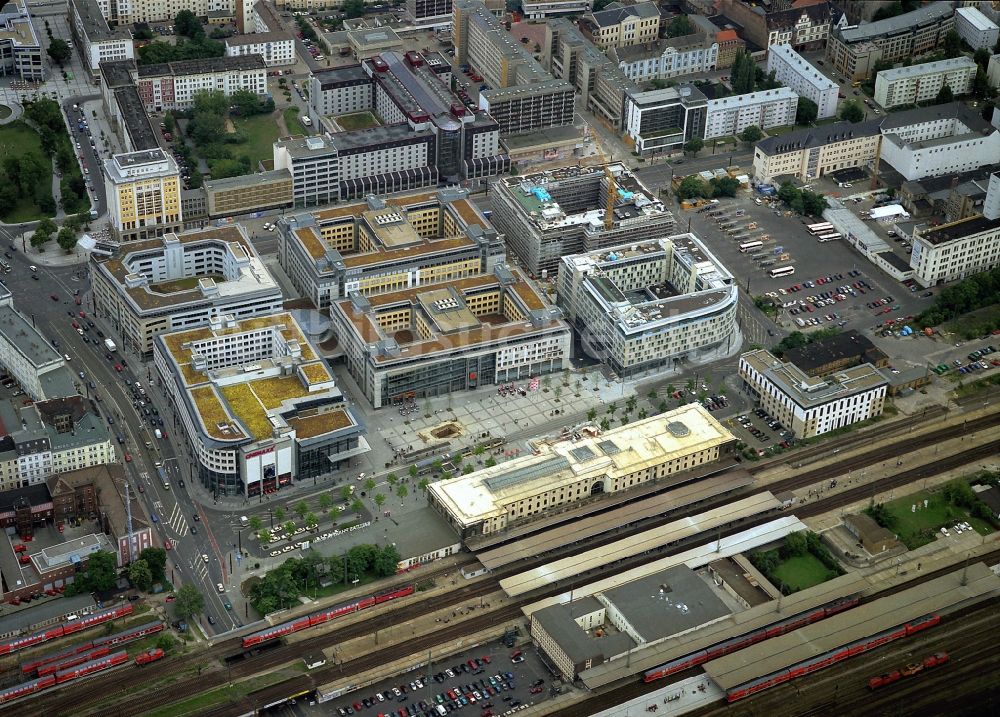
943	139
950	252
975	28
277	48
668	58
793	71
922	83
769	108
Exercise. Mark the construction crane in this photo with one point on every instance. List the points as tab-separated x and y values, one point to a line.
609	209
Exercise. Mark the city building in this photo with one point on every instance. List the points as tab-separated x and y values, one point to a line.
381	245
809	406
644	306
428	12
922	83
449	336
527	108
622	26
835	353
854	50
51	436
668	58
552	214
123	108
664	120
172	85
340	91
993	72
728	116
817	151
180	281
657	448
936	140
804	26
543	9
27	358
98	42
143	193
728	40
277	48
975	28
873	537
792	70
21	53
259	409
248	193
953	251
372	42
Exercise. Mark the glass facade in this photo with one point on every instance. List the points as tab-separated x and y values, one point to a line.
314	461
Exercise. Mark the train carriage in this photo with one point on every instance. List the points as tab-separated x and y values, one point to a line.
26	688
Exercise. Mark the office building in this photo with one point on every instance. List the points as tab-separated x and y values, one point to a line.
664	120
525	109
922	83
792	70
544	9
642	307
450	336
622	26
660	448
340	91
181	281
21	53
817	151
27	358
98	42
248	193
143	191
667	59
975	28
836	353
259	408
953	251
277	48
172	85
428	12
552	214
937	140
381	245
804	26
123	108
809	406
728	116
854	50
57	435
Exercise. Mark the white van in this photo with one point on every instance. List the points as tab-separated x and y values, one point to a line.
158	433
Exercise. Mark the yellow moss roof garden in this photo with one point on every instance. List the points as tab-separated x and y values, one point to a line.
316	373
272	392
248	408
311	426
213	413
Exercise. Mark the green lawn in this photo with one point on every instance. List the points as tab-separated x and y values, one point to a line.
778	131
803	572
358	120
18	139
920	527
261	132
293	122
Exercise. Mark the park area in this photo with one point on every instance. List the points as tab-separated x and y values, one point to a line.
357	120
800	561
21	152
803	571
916	527
261	132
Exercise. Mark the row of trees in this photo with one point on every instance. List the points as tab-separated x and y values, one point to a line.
191	43
798	544
802	201
694	186
47	117
976	292
797	340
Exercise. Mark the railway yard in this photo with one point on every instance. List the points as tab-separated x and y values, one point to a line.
450	623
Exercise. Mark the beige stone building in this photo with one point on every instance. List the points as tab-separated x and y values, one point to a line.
814	152
622	26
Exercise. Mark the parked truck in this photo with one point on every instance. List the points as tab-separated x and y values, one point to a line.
110	345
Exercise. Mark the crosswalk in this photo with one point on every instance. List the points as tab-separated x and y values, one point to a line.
177	522
200	568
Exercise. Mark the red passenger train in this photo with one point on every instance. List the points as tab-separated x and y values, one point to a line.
751	638
79	659
89	668
119	638
13	645
832	657
318	618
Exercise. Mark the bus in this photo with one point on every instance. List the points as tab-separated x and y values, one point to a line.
163	477
832	236
748	246
822	228
781	271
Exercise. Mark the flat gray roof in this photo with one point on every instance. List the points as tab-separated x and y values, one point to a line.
247	180
926	68
921	17
203	66
28	341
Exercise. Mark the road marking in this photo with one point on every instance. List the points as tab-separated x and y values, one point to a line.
177	521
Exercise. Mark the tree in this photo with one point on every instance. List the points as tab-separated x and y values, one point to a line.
66	239
468	468
952	44
605	424
982	57
279	512
379	500
325	501
39	238
591	414
424	482
59	51
490	462
186	24
386	561
944	96
289	528
851	111
743	73
612	407
356	505
189	602
402	491
301	508
246	103
886	11
751	134
206	128
694	145
140	575
346	492
156	559
311	521
806	112
101	572
165	642
795	544
256	523
724	186
413	471
334	514
692	186
679	26
981	87
353	8
168	122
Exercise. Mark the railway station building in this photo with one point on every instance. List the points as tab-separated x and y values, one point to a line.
659	448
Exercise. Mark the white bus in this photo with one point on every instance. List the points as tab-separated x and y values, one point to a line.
749	246
781	271
832	236
824	228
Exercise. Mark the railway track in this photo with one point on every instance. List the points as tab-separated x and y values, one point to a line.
56	703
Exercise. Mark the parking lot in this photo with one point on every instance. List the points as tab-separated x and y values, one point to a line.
760	431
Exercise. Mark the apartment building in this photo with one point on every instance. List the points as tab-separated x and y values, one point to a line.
653	449
27	357
548	215
248	193
975	28
143	191
382	245
520	109
792	70
180	281
21	53
172	85
854	50
123	108
449	336
728	40
804	26
811	406
668	58
97	41
340	91
277	48
642	307
922	83
815	152
953	251
622	26
937	140
259	408
663	120
728	116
